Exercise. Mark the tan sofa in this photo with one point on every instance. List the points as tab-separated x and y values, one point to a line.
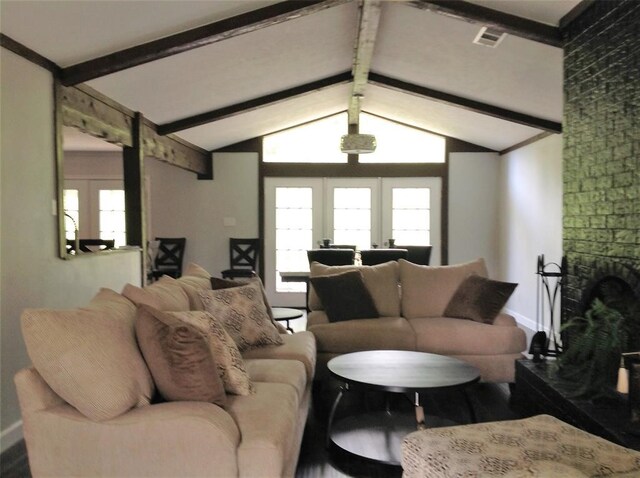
254	435
411	301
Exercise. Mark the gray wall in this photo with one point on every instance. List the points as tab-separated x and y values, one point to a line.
31	274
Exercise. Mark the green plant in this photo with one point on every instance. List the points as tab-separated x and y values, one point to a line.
595	344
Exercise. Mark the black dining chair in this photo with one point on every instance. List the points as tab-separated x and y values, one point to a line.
169	258
331	256
243	258
371	257
418	254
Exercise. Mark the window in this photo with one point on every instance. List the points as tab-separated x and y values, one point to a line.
293	232
410	216
98	208
301	212
352	217
319	142
112	222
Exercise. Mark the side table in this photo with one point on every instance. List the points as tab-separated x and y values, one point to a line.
286	314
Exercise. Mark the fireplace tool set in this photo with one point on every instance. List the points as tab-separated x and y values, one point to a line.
550	279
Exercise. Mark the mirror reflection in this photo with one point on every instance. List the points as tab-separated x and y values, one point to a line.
93	193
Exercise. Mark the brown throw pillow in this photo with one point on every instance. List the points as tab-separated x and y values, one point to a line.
480	299
179	356
243	313
345	296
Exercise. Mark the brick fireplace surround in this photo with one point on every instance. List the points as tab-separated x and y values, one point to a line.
601	171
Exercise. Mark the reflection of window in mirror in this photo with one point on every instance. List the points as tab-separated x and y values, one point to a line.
93	189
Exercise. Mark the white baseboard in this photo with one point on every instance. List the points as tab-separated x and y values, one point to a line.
10	436
524	321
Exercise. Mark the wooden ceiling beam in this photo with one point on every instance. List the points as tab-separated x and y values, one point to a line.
465	103
194	38
363	54
253	104
512	24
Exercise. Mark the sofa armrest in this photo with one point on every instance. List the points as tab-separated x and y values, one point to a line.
505	319
167	439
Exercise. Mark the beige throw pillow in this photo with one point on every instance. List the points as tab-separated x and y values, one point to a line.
89	356
244	315
164	294
381	281
180	357
426	290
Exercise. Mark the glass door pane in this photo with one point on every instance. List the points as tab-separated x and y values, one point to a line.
411	212
352	211
293	224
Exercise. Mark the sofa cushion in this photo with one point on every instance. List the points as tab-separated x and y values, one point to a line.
479	299
426	290
381	281
290	372
179	356
344	296
300	346
164	294
243	313
267	422
193	280
448	336
89	356
364	334
217	284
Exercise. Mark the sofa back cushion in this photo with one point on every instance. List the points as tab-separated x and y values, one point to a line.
89	356
381	281
426	290
164	294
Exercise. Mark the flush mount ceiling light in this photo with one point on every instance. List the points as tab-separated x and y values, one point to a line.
358	143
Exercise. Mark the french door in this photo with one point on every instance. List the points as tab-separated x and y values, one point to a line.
365	212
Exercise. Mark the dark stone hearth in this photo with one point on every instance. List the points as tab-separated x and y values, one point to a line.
601	147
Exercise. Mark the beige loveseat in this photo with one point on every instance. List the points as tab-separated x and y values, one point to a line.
411	301
111	423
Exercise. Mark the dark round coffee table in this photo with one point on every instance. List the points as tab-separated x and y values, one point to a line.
378	436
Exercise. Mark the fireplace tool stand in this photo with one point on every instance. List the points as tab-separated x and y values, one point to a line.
549	286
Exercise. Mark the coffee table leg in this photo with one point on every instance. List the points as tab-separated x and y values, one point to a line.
472	411
420	425
343	388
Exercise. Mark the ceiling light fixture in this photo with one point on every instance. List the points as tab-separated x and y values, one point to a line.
490	37
358	143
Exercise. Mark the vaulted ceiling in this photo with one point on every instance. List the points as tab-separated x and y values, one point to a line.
262	66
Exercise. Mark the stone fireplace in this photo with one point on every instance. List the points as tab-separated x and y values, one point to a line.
601	169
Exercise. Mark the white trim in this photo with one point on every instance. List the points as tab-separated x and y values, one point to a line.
526	322
10	436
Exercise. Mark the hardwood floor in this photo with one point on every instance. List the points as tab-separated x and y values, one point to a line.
490	401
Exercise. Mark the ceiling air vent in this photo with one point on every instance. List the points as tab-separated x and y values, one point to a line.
488	36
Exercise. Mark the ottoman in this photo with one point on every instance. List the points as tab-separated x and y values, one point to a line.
540	446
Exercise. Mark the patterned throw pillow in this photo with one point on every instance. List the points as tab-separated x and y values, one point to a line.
230	363
244	315
217	284
180	357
